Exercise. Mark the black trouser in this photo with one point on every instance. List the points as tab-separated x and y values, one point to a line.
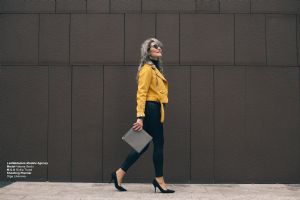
154	127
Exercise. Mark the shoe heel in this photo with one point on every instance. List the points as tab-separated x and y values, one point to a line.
154	185
114	178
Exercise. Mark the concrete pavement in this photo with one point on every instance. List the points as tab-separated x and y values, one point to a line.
105	191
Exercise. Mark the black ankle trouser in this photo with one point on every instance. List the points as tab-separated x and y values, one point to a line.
154	127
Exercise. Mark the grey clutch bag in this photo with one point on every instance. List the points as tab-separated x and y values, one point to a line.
137	139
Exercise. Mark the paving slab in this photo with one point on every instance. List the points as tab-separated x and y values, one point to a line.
104	191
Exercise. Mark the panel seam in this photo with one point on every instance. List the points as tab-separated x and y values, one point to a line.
297	42
71	146
141	6
71	171
245	108
48	125
124	39
155	25
70	18
266	51
179	39
234	40
38	42
109	7
213	82
190	181
102	123
86	6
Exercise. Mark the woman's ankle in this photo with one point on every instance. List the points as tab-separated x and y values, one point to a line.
121	171
160	179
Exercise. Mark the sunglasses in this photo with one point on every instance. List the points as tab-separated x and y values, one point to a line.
155	46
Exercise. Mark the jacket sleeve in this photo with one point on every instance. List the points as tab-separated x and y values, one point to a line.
144	81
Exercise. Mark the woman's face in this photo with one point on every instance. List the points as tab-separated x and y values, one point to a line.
155	51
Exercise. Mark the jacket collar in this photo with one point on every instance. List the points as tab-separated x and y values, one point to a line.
157	71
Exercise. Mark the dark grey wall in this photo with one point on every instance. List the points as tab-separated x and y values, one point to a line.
67	87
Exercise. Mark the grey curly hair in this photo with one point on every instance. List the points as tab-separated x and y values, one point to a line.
145	54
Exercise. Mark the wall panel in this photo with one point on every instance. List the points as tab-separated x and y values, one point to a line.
19	38
168	33
272	125
59	128
168	6
229	6
229	103
87	122
250	39
138	27
22	6
281	36
54	39
202	124
206	39
177	131
91	43
24	118
275	6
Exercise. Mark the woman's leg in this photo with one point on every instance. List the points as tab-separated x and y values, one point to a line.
158	156
131	158
155	128
158	150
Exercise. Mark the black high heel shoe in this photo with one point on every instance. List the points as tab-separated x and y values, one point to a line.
114	178
156	184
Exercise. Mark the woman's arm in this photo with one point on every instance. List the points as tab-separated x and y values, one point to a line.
144	82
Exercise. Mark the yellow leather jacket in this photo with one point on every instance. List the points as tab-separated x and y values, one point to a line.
152	86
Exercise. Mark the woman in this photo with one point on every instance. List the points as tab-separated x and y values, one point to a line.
152	96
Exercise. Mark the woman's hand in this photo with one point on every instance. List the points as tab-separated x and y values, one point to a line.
138	125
